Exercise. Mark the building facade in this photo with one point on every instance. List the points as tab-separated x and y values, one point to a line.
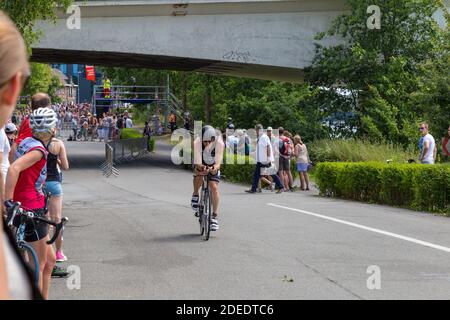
77	74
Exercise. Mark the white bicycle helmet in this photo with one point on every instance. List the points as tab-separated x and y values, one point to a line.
208	133
43	120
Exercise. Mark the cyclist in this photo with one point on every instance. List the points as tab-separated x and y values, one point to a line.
208	155
24	183
38	100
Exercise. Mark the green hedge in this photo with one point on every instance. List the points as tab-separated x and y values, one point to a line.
355	150
415	186
239	173
130	133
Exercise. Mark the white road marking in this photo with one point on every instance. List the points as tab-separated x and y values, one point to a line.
390	234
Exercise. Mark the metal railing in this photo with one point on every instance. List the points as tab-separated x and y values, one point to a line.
129	149
108	167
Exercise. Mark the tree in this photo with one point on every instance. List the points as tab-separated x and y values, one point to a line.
42	80
382	68
26	13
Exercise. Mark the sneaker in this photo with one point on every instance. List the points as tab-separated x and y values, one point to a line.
60	257
259	190
279	191
214	223
59	272
194	203
250	191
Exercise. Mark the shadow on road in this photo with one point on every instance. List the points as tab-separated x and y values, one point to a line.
180	238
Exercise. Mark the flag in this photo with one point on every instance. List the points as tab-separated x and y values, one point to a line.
90	73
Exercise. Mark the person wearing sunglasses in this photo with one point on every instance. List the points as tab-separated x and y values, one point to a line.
427	145
15	278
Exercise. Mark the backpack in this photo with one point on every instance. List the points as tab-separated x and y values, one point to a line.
120	124
285	146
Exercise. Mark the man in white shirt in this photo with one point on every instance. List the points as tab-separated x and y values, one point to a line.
128	122
264	159
427	145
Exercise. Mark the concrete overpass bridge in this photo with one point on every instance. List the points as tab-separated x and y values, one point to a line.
266	39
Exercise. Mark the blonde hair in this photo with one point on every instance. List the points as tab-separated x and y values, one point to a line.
13	52
43	136
424	124
297	140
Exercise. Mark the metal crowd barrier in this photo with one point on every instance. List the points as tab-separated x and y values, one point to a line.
108	167
129	149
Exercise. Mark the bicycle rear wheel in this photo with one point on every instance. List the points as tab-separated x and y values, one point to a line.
33	262
207	215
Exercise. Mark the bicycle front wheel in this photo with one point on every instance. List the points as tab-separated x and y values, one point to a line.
33	262
207	215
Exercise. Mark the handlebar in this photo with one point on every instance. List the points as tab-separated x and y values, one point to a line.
58	226
14	209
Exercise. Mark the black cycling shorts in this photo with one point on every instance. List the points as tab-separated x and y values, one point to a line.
213	177
34	230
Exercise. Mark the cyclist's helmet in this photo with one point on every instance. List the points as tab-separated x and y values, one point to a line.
208	133
231	126
43	120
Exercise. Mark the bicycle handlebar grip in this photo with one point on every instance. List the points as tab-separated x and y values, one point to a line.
11	209
59	227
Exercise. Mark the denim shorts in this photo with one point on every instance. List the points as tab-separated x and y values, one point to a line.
54	188
302	167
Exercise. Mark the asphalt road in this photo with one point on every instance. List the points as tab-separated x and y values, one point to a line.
135	237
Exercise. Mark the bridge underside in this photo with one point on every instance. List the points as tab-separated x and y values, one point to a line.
159	62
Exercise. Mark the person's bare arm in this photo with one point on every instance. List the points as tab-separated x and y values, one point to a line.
435	152
63	162
220	146
296	150
426	147
18	166
12	152
197	146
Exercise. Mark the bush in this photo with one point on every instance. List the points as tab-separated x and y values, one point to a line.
415	186
131	133
239	173
356	151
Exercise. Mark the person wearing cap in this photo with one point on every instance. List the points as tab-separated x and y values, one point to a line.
11	132
264	159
